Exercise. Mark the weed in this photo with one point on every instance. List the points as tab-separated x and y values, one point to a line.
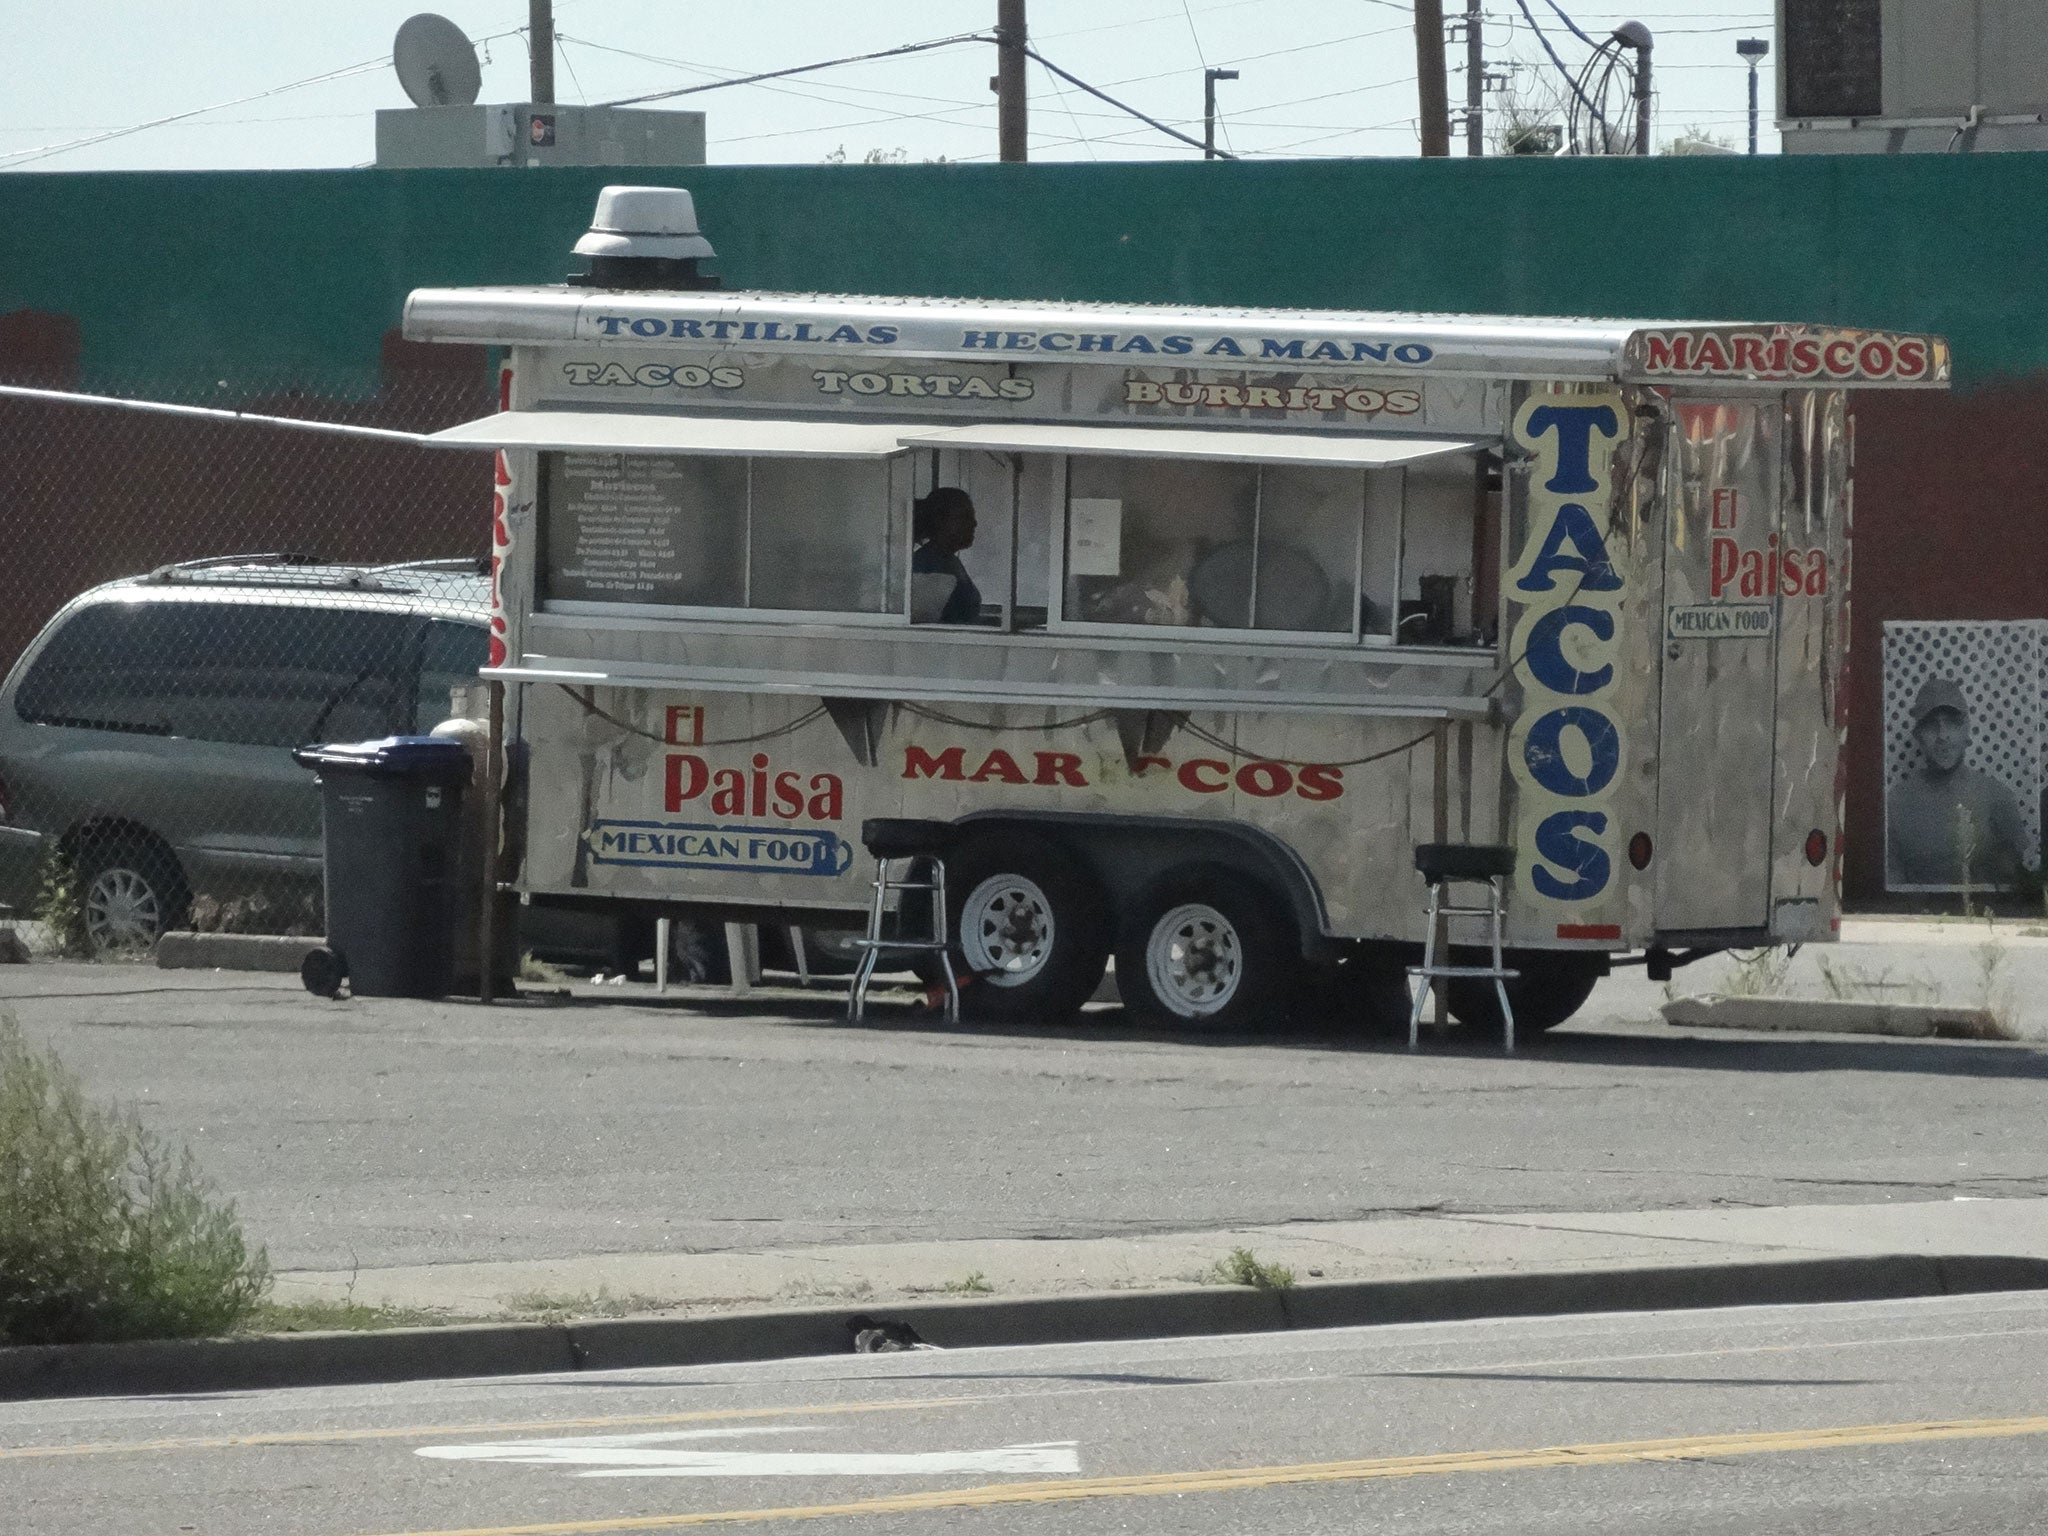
1760	974
297	914
1994	992
1848	983
531	969
559	1306
60	911
105	1232
972	1284
1243	1267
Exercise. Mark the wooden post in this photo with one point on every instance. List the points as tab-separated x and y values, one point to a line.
494	825
1432	89
1475	78
540	47
1011	119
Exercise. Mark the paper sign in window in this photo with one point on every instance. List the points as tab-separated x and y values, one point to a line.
1095	536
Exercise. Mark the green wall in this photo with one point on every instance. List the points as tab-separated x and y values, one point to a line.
266	278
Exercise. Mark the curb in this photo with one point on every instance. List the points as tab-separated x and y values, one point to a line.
232	952
1834	1016
518	1349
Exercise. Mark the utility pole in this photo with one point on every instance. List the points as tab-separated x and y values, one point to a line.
1011	142
1209	79
1432	89
1475	79
540	44
1752	49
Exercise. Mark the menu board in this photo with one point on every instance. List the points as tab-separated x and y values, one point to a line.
640	528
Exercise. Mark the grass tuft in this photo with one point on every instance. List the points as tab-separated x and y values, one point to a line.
106	1232
562	1306
339	1317
973	1284
1243	1267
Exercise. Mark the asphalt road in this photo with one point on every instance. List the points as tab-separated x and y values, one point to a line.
382	1133
1897	1417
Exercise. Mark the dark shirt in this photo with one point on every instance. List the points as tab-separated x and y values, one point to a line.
964	606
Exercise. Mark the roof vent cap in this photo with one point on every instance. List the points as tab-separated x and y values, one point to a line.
645	221
644	238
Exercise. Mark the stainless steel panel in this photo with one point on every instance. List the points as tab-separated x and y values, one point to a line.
1717	718
1813	640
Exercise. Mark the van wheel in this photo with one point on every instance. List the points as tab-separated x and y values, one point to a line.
1553	986
1206	948
1028	922
130	892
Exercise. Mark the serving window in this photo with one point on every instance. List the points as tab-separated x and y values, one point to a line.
815	535
1083	543
1386	555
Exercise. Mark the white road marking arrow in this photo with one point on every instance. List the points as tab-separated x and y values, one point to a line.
657	1455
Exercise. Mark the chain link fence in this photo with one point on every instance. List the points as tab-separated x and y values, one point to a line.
186	599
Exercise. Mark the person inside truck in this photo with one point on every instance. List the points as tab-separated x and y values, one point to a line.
941	526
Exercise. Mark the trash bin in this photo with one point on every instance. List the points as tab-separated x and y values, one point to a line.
391	831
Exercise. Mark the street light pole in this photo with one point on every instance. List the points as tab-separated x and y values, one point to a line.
1633	34
1753	49
1209	79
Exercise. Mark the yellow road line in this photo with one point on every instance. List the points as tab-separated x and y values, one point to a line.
1232	1479
435	1431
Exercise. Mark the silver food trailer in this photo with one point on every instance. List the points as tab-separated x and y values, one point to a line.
1197	621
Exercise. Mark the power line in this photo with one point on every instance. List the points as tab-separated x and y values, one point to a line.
721	74
804	69
21	157
1569	78
1143	117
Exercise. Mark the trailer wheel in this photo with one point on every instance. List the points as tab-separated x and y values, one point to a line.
1206	948
1029	923
1553	986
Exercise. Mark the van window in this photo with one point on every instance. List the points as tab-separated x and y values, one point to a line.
451	655
679	531
247	674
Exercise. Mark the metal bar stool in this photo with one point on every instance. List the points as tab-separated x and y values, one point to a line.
1447	864
896	840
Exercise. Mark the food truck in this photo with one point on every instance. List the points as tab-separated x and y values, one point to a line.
1196	621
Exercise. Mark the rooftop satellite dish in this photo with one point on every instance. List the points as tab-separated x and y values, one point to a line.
435	62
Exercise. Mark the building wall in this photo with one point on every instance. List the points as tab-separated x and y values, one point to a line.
281	291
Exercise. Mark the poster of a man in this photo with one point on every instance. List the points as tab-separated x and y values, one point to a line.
1948	825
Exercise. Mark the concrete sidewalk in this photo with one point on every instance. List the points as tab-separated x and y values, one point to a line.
1393	1248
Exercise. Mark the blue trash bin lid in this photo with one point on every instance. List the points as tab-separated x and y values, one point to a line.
409	757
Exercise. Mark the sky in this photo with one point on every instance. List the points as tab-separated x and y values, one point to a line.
263	84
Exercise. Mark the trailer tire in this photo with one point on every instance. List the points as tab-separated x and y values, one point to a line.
1030	924
1553	986
1207	949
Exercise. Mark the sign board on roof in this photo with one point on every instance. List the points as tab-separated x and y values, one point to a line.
1787	354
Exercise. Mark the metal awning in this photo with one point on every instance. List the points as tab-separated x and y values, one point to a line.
1193	443
647	432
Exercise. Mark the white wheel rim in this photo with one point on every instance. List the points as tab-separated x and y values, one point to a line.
1194	960
1006	930
122	910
